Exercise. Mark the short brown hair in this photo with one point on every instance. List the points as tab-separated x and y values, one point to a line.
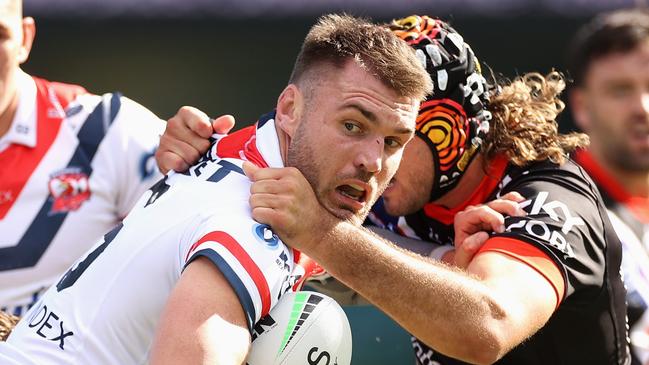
336	38
616	32
524	125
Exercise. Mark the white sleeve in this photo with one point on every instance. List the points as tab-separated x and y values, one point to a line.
252	258
128	150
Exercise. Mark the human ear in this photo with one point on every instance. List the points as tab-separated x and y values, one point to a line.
578	106
29	32
289	109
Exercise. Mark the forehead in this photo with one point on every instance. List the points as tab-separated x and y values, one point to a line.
353	85
621	65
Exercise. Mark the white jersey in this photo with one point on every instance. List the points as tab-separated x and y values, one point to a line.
105	309
72	166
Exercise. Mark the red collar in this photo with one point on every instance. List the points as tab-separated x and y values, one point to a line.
638	205
242	145
480	194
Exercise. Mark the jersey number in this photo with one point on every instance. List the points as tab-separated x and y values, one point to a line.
72	275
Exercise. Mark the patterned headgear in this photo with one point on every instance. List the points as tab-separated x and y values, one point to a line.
454	119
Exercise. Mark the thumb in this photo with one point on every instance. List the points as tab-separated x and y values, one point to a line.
223	124
250	169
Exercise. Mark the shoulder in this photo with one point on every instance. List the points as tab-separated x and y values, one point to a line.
569	179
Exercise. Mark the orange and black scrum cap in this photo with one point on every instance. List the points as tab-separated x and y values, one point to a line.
454	119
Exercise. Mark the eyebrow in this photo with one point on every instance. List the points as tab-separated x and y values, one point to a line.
373	118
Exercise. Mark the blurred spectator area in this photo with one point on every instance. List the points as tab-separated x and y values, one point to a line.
235	56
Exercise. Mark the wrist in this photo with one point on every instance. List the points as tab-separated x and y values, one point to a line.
442	253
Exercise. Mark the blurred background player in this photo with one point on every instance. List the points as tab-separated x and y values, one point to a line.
609	62
73	165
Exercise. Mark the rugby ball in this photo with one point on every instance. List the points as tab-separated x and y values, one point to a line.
304	328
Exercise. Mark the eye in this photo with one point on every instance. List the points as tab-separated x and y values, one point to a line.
620	91
393	142
352	127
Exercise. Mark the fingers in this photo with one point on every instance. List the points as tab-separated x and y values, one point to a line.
255	173
465	252
185	139
250	169
170	161
477	218
223	124
191	119
513	196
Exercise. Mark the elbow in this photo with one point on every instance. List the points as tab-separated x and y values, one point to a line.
492	339
487	350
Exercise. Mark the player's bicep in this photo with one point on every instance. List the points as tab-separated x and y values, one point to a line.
529	296
203	320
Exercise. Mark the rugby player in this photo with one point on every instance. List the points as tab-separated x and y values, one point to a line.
189	272
73	165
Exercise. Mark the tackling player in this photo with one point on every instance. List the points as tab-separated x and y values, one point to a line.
189	266
543	289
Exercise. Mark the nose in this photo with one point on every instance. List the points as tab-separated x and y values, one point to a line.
644	102
370	156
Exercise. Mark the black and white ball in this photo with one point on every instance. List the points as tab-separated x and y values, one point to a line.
304	328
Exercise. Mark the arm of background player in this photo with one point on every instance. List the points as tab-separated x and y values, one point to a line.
203	321
127	151
477	318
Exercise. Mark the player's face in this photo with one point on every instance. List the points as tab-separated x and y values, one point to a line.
616	108
350	140
11	53
411	186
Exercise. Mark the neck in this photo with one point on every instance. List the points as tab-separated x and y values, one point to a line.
7	115
635	183
284	141
466	186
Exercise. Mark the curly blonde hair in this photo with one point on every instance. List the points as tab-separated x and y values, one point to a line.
524	126
7	324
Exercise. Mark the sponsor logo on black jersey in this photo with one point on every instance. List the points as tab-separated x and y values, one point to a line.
555	210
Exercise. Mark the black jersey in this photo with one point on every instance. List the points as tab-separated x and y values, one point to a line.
565	219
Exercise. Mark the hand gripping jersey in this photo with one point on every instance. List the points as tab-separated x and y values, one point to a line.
567	223
72	165
104	310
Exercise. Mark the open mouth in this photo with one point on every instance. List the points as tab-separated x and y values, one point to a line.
353	191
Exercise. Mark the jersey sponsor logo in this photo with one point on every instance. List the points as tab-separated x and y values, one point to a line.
69	188
265	235
49	326
557	211
265	323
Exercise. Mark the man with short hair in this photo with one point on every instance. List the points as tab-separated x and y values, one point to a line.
609	62
189	272
73	165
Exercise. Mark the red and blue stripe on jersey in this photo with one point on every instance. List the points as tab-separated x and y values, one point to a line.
19	162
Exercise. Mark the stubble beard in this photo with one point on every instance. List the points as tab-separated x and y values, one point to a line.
301	155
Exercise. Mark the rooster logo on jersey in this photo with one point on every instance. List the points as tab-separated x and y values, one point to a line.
69	188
